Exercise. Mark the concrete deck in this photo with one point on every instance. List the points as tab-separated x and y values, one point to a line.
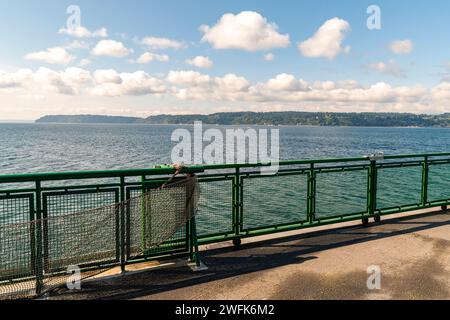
413	252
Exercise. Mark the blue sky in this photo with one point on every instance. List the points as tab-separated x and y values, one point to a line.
412	78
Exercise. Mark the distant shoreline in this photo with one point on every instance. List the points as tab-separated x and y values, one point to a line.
291	119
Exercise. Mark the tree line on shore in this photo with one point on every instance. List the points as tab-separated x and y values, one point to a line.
290	118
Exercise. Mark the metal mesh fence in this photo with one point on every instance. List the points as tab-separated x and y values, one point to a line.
341	193
38	254
17	260
16	238
399	186
80	228
274	200
215	208
439	179
149	218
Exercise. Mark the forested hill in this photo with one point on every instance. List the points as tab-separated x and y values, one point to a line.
272	118
86	118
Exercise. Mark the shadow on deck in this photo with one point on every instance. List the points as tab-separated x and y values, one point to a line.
412	252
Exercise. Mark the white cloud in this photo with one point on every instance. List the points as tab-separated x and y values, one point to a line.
55	55
84	62
289	90
191	78
82	32
155	43
247	30
232	82
77	45
67	82
282	92
441	92
285	82
269	57
111	48
402	46
389	68
107	76
131	84
149	57
14	79
327	41
200	62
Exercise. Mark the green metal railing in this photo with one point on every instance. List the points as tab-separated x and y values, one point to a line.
38	227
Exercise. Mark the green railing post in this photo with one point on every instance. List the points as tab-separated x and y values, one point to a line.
144	216
372	188
311	201
38	265
425	174
122	225
238	219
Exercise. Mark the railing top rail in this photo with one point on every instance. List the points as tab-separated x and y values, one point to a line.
53	176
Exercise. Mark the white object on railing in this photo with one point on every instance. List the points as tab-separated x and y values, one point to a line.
377	156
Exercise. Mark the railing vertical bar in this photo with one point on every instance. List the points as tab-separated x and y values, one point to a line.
33	236
237	201
425	178
117	218
372	191
122	224
39	261
311	194
45	233
241	202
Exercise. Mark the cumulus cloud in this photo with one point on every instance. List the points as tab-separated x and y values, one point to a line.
155	43
149	57
77	45
107	76
402	46
84	62
111	48
390	68
286	88
247	30
82	32
55	55
14	79
285	82
190	78
67	82
283	91
200	62
327	41
131	84
269	57
441	92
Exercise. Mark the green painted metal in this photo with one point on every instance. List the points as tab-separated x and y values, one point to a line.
39	263
122	180
425	173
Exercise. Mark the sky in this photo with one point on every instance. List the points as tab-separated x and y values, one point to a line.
141	58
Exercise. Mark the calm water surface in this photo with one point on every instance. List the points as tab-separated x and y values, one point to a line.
63	147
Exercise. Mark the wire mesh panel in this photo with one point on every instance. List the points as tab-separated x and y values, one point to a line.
274	200
439	182
80	228
340	193
399	186
16	245
215	208
154	224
